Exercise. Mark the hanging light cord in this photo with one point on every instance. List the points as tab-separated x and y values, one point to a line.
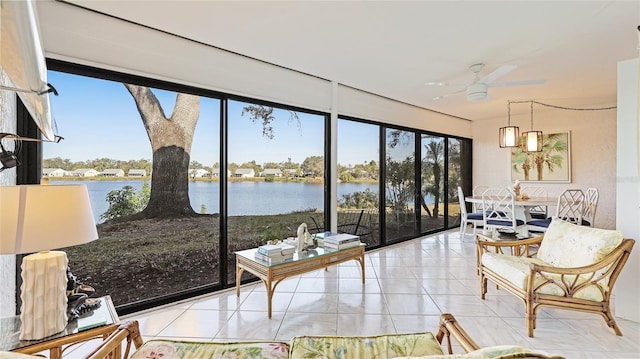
531	115
565	108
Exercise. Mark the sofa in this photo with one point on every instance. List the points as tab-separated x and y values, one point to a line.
570	267
120	344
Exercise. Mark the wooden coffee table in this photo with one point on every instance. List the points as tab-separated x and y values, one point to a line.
308	261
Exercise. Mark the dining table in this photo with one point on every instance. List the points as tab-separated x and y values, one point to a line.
522	206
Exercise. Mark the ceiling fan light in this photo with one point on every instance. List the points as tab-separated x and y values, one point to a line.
477	91
532	141
509	136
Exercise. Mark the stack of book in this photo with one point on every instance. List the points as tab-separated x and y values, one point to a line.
275	253
340	241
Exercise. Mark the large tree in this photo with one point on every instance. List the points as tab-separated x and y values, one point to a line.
171	140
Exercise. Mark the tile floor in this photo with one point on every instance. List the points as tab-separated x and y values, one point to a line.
407	287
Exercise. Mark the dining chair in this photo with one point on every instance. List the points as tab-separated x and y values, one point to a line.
537	212
590	205
498	209
475	218
477	192
570	209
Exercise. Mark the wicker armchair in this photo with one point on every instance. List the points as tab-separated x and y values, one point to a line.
571	267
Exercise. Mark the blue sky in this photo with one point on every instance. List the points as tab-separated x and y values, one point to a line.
99	119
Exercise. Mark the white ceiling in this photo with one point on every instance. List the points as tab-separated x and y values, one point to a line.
392	48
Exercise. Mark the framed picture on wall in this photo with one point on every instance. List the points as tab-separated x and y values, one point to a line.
552	164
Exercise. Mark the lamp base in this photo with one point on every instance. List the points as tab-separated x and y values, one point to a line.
43	293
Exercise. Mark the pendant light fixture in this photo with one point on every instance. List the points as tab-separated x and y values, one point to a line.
532	140
509	135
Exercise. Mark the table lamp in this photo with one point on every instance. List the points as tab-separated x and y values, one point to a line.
37	218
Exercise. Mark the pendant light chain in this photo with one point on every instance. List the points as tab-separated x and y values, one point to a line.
531	115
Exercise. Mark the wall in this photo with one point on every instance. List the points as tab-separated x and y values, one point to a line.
593	152
628	182
7	178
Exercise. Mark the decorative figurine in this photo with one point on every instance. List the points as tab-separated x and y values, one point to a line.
305	240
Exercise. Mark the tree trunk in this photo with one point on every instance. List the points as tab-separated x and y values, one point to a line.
171	140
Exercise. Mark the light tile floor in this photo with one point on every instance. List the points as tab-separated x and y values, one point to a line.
407	287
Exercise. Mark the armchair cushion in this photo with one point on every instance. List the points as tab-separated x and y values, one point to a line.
495	352
516	270
569	245
381	346
174	349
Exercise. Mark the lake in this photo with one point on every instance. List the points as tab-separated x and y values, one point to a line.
245	198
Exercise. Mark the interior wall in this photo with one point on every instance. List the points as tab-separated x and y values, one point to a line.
7	178
364	105
593	152
628	182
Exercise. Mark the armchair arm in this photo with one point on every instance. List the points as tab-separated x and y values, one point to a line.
601	275
111	347
523	247
449	327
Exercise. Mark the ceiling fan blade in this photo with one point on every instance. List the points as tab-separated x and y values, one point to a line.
516	83
449	94
499	72
436	83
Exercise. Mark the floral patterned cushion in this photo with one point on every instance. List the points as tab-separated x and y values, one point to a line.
170	349
380	347
570	245
496	352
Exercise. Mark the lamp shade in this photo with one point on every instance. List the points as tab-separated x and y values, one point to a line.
42	217
509	136
532	141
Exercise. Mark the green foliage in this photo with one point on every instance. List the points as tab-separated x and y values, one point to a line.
313	166
400	184
126	201
363	199
264	115
276	231
203	209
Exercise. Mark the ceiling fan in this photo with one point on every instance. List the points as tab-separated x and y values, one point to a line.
477	90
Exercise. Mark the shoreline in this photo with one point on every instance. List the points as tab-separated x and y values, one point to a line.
229	179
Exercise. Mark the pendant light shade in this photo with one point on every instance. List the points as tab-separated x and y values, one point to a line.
532	140
509	135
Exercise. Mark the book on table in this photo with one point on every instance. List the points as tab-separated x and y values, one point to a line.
340	238
274	258
334	247
276	249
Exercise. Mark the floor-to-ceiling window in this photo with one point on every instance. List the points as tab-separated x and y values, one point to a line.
432	191
456	172
359	179
400	185
276	173
147	157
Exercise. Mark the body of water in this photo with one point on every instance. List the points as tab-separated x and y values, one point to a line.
245	198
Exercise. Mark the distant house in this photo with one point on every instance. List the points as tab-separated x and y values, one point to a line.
53	172
83	172
215	172
276	172
199	173
113	172
292	172
245	172
137	173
